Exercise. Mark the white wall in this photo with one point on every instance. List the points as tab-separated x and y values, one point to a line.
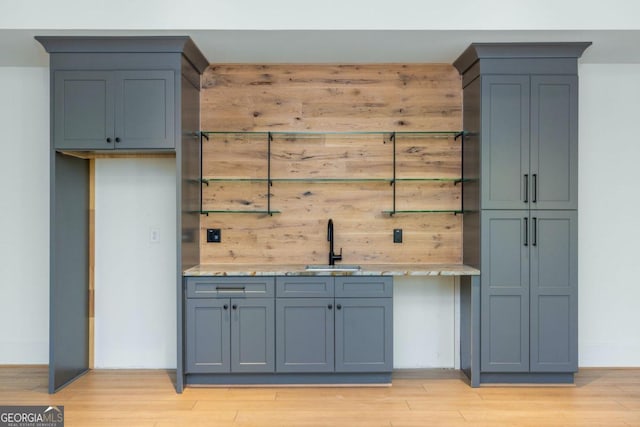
424	322
135	263
24	215
609	203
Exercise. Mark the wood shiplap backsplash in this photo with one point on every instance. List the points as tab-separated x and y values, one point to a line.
331	98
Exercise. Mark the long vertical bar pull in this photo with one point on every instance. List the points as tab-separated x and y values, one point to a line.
526	231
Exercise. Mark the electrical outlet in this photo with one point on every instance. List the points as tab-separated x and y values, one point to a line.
214	235
154	235
397	235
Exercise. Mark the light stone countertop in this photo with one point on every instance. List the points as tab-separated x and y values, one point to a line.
299	270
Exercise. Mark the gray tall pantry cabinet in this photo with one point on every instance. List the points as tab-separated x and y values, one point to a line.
520	166
118	95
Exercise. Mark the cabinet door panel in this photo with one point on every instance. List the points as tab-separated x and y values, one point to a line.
83	110
505	292
145	109
364	335
304	335
554	292
554	142
208	335
505	142
252	335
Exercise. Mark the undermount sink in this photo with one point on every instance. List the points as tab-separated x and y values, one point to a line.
327	267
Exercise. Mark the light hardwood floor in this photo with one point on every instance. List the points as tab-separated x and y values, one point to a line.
600	397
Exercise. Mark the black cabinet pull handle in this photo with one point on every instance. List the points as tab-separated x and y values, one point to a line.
535	231
225	306
109	140
230	288
330	306
339	306
535	188
526	188
234	306
117	139
526	231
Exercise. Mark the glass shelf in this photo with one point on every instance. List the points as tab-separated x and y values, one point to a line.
453	211
454	180
330	180
207	212
208	180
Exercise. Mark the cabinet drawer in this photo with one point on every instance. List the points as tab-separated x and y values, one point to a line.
364	287
230	287
304	287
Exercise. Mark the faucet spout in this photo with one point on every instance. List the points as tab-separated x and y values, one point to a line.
333	257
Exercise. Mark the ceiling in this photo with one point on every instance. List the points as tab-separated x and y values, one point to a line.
18	47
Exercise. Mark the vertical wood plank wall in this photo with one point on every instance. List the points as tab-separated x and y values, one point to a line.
331	98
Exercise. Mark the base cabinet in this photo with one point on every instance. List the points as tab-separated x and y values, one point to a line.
346	327
229	334
305	329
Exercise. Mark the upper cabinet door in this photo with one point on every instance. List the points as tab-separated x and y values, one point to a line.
505	142
144	110
83	110
106	110
554	142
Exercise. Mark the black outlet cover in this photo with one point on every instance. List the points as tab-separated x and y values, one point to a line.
214	235
397	235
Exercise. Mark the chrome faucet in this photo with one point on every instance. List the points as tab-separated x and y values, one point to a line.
332	256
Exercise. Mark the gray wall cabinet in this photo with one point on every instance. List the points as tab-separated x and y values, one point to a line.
520	167
105	110
530	142
143	94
